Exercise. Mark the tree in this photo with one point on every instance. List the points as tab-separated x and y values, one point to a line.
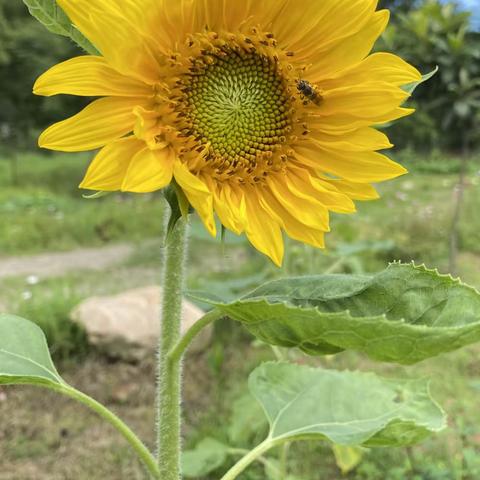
27	49
398	5
439	34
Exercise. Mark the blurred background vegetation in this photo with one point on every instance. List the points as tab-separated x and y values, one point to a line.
430	216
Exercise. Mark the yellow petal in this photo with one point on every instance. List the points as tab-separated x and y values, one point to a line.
89	76
227	207
356	191
108	168
233	13
292	226
361	140
101	122
149	170
171	21
306	209
146	125
378	67
319	24
301	182
350	50
117	35
361	167
367	100
198	195
342	123
263	230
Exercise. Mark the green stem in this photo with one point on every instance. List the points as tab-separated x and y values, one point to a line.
177	352
140	449
248	459
169	370
269	464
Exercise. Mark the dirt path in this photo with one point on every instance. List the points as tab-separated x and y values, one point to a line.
55	264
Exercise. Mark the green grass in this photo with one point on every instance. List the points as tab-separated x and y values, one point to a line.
43	210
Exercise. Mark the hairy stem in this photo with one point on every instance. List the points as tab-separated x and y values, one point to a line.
140	449
169	369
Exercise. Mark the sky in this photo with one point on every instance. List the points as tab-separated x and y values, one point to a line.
474	7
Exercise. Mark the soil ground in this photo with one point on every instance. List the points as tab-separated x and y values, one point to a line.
64	441
59	263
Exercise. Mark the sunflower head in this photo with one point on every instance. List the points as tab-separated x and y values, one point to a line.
263	112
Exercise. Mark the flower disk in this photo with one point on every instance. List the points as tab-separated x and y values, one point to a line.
261	111
237	106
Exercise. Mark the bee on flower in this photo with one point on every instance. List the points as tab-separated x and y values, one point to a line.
263	113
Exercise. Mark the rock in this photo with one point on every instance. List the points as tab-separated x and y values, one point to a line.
126	326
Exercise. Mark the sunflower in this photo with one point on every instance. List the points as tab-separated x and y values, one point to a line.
261	111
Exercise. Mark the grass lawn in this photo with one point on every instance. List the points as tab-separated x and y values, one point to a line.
46	437
41	208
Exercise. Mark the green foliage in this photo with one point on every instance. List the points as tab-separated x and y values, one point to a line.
54	19
404	314
27	49
24	355
247	421
437	34
50	304
348	408
398	5
207	456
348	458
44	209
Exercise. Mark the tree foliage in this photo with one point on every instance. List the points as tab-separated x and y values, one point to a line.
439	34
26	50
398	5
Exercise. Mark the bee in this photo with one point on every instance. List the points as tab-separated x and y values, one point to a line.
309	92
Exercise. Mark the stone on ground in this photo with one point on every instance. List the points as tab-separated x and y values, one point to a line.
125	326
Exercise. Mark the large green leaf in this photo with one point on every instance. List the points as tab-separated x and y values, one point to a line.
24	355
347	408
404	314
54	19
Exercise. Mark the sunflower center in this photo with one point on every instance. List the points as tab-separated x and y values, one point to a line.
237	106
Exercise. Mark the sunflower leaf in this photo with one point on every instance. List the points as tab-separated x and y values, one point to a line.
94	196
404	314
347	408
411	87
56	21
171	196
24	355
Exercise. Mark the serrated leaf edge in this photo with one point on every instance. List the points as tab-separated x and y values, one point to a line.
383	317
